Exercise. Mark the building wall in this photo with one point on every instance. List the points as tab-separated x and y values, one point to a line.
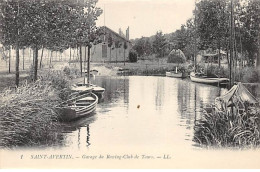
101	53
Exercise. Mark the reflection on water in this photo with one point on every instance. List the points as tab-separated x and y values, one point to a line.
140	112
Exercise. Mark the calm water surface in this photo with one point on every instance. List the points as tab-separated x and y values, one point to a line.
141	112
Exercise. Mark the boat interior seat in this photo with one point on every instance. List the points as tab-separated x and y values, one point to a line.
82	104
86	99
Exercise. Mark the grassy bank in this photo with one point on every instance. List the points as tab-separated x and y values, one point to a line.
160	66
28	116
145	67
223	129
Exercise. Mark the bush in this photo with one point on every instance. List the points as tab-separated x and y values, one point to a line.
71	72
59	81
176	56
132	56
212	70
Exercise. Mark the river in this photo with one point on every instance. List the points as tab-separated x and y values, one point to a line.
140	112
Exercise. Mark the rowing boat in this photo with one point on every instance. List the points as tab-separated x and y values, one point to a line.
77	107
195	77
86	88
175	75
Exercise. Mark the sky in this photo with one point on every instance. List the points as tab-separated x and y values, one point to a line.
145	17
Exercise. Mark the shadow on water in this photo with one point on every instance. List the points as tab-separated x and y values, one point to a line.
77	126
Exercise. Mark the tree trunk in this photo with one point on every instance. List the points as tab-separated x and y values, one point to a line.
219	54
10	59
258	59
56	57
70	56
110	54
85	59
88	64
258	52
17	65
41	58
231	47
77	54
80	58
35	56
73	57
50	59
29	55
23	59
116	55
48	56
124	56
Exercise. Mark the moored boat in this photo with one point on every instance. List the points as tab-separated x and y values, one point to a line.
85	88
77	107
92	73
201	78
176	75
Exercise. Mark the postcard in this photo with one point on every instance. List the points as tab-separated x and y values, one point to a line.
127	84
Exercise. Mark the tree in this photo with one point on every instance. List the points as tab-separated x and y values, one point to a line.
10	27
249	27
143	46
159	44
54	25
139	46
213	24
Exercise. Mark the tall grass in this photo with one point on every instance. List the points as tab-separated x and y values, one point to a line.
27	114
245	74
59	81
248	75
226	129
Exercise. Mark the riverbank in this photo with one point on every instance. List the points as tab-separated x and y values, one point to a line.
225	129
28	115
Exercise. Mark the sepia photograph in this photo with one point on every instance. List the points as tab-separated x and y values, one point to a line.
129	84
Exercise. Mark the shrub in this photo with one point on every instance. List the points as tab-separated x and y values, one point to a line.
71	72
132	56
59	81
176	56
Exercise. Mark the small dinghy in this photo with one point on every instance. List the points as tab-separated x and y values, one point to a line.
77	107
200	78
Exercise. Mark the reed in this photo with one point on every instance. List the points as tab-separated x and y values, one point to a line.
229	129
59	81
27	113
244	75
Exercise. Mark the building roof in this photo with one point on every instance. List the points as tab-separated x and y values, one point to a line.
105	28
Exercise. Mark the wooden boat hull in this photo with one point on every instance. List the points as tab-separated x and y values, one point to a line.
68	112
205	80
85	88
175	75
